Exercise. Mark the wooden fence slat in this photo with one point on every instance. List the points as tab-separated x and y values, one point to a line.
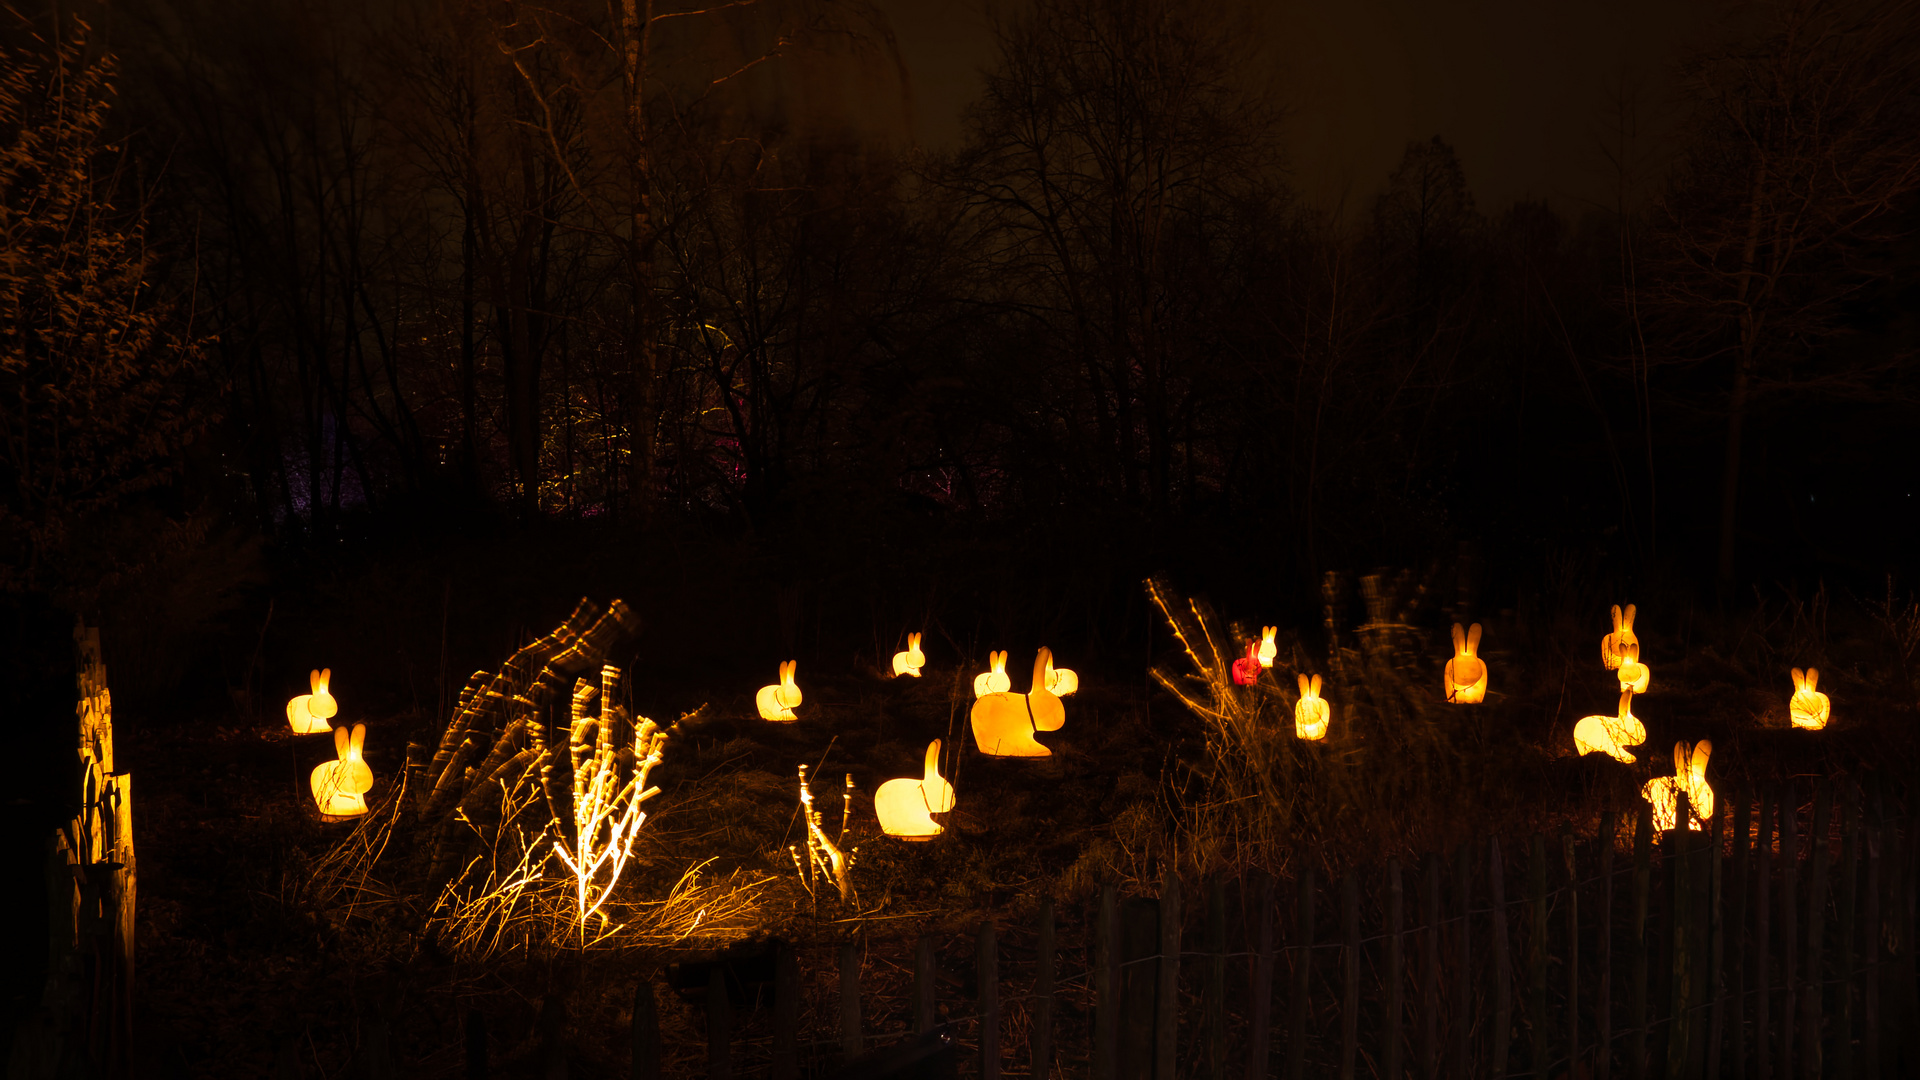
1166	999
719	1025
1216	995
1540	1040
1350	974
1716	942
1430	968
925	1009
645	1033
1870	998
1681	965
1819	858
1763	936
1573	948
1849	898
986	957
1261	996
851	1037
1789	927
1045	957
1302	973
477	1061
1737	930
1396	973
1462	992
1106	985
1637	936
1502	964
1603	999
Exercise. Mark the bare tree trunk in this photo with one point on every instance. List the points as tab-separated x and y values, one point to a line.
636	27
1737	400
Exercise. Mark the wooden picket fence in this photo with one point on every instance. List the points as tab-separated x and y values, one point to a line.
1776	943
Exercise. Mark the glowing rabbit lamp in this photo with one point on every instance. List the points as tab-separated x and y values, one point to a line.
1690	776
1613	647
1611	735
1267	648
906	806
1466	674
309	713
1043	705
1246	670
1634	675
340	787
1002	727
1809	708
910	661
994	680
1311	712
1060	681
778	701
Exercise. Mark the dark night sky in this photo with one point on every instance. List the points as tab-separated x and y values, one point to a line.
1523	89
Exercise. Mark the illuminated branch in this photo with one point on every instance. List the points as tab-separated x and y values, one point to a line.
824	855
606	805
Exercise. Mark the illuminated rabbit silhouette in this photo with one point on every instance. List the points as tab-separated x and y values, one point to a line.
1045	706
1311	712
308	714
1246	670
1060	681
1690	776
1466	674
1613	647
1634	675
1611	735
340	787
1002	727
1809	708
910	661
1267	648
778	701
994	680
905	806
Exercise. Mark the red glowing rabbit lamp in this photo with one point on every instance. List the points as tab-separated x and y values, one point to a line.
308	714
1466	674
1246	670
906	806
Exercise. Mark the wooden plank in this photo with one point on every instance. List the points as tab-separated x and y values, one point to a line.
1603	999
1260	993
925	1008
852	1041
1716	943
1044	960
1763	936
1502	964
1430	967
1166	997
1736	930
1350	974
1461	1025
1573	948
1789	927
1875	955
786	1016
1637	938
1681	958
1302	973
1106	985
1216	989
1540	1041
645	1034
719	1026
1819	858
1396	973
1849	902
479	1065
986	957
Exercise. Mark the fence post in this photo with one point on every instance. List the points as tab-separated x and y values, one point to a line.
1679	915
1502	962
645	1032
786	1016
1166	1002
925	1012
1870	999
1043	994
1716	942
851	1040
1820	857
1350	974
1396	974
1259	1027
1603	1002
1637	934
1106	984
986	956
1573	949
1462	1022
1763	935
719	1025
1849	897
1789	926
1736	930
1542	1042
1216	997
1302	973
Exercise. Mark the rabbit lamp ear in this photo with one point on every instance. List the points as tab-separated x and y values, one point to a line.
321	704
342	742
1616	618
1473	638
1459	640
1625	626
939	793
1306	687
1813	680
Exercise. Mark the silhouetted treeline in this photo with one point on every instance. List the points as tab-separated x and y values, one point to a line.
564	263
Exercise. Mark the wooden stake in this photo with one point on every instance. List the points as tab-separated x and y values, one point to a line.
1302	972
1716	944
1683	966
1106	985
1789	926
646	1033
1849	899
986	957
1462	1022
1637	937
1542	1042
1396	973
1763	937
1502	963
1044	958
719	1025
1216	991
1430	970
1166	998
1820	857
1573	949
1261	991
851	1039
1603	1002
925	1009
1350	974
1737	929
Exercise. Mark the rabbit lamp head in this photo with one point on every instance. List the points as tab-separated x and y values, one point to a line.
1611	735
906	806
1613	647
1060	681
777	702
1466	673
1689	776
911	660
340	787
1634	675
1044	707
994	680
1808	708
1267	648
1311	712
308	714
1246	669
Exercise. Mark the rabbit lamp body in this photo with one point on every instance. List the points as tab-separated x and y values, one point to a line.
308	714
906	806
1634	675
1614	647
1060	681
1267	648
1043	705
1246	670
778	701
1809	708
994	680
340	787
1690	776
910	661
1466	673
1611	735
1311	712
